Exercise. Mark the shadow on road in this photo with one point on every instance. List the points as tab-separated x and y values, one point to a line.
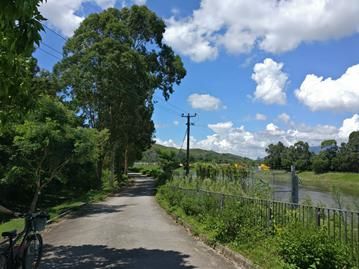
98	256
94	209
143	187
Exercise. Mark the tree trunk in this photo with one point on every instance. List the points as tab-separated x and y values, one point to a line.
125	165
112	177
36	197
99	169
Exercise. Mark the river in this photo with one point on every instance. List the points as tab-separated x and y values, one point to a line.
316	196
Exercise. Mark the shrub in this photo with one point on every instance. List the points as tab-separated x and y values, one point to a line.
321	164
310	247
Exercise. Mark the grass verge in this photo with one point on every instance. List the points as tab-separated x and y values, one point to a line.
56	211
262	253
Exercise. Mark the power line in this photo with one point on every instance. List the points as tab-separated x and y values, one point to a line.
175	107
49	53
184	139
53	49
168	108
56	33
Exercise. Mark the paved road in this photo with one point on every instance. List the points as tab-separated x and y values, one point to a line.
126	231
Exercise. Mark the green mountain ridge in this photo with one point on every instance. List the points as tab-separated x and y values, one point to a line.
196	154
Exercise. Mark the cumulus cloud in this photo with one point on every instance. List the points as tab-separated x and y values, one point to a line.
167	143
186	38
66	15
271	25
205	102
284	117
260	116
271	82
62	14
227	137
349	125
341	94
221	126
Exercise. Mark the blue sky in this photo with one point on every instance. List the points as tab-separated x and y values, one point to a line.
257	72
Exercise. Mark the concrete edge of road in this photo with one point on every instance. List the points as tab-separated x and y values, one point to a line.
65	213
231	255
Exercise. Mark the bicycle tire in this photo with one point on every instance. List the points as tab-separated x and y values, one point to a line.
33	252
3	262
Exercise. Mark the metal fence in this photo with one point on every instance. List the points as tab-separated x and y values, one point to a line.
341	225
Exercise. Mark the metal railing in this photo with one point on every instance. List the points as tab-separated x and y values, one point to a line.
341	225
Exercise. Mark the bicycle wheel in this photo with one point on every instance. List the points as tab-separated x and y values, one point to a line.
32	252
3	262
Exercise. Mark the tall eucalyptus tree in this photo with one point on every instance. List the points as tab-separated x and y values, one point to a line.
112	66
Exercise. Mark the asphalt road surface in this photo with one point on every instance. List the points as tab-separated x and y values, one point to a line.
128	231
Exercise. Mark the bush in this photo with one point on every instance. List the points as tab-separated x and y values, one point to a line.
310	247
238	224
321	164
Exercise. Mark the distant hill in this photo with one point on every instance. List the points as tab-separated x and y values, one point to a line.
315	149
151	155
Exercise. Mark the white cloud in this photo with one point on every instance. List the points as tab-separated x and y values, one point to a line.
140	2
176	122
271	127
284	117
167	143
329	94
66	15
272	25
221	126
186	38
204	102
349	125
260	116
237	140
271	82
62	14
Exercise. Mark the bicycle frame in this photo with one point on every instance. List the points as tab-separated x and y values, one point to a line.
14	253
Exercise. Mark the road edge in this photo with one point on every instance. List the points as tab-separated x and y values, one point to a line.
235	257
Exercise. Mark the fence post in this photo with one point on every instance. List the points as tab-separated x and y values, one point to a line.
295	185
222	201
318	216
270	215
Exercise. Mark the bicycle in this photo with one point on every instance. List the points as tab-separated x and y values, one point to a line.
24	250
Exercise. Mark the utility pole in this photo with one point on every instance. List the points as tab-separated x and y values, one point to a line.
188	116
295	185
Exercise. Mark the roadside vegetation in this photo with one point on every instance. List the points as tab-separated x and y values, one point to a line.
330	158
239	225
236	224
68	136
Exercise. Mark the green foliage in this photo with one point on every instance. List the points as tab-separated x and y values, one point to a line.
20	24
168	163
274	155
239	223
305	247
347	158
113	64
197	155
321	163
281	157
47	141
221	171
331	157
